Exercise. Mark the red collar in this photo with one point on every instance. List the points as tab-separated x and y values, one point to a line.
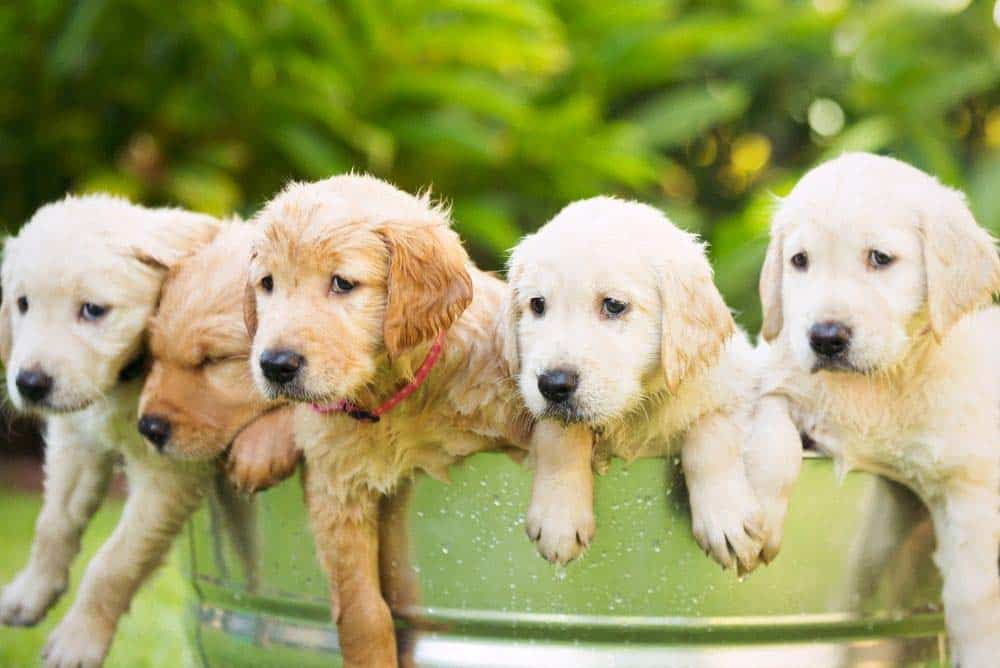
360	414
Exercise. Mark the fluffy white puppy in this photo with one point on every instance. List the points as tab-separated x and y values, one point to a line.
615	326
80	281
875	291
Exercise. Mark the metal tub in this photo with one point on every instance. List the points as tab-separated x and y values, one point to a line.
854	583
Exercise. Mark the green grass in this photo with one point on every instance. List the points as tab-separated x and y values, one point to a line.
151	634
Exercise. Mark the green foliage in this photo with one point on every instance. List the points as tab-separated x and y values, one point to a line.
509	109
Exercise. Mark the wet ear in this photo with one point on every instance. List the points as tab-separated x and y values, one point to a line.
960	260
696	321
175	235
428	285
6	336
770	288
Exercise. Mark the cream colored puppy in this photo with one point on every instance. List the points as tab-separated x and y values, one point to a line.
615	325
79	283
876	293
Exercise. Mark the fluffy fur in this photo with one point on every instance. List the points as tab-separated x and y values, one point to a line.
670	372
103	251
916	395
200	382
411	280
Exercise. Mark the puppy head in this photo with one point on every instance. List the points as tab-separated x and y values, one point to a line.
80	281
200	393
350	270
868	254
609	303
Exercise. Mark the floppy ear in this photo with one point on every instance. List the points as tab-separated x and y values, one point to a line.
696	322
960	261
770	288
250	309
6	335
428	286
172	235
506	334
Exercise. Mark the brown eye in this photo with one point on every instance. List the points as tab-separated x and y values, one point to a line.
267	284
22	304
613	308
800	260
341	285
91	312
537	305
877	259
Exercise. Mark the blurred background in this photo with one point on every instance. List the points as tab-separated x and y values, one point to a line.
507	109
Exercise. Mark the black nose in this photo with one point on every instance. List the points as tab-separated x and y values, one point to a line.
34	385
829	339
281	366
558	385
156	429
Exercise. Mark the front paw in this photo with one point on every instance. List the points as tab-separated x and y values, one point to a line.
28	597
264	453
80	641
728	523
773	512
562	525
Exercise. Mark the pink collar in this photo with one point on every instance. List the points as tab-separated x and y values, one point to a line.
360	414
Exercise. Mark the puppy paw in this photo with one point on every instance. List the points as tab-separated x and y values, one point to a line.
264	453
560	525
728	523
773	512
28	597
80	641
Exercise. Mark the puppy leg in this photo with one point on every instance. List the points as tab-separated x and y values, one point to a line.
561	514
348	549
159	502
967	524
76	479
725	515
773	459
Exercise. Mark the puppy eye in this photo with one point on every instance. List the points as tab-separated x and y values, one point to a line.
800	260
267	284
91	312
877	259
537	305
613	308
22	304
340	285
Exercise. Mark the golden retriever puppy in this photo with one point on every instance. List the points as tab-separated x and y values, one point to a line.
616	327
200	397
367	310
80	282
876	293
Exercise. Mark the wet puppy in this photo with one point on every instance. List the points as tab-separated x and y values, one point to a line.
369	313
80	282
617	328
876	293
199	397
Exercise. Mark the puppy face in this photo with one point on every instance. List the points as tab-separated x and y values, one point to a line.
80	282
351	271
600	321
867	255
200	393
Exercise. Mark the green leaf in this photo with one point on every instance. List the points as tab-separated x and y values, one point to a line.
678	116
